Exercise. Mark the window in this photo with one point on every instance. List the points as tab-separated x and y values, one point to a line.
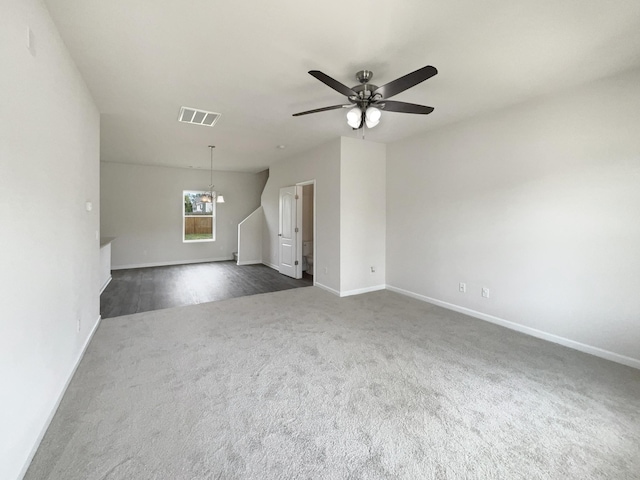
198	216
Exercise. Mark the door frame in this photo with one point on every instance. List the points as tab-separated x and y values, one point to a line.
315	230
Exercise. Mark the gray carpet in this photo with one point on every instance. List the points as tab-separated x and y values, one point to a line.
304	385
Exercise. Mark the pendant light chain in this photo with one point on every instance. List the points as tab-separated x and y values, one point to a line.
211	147
218	198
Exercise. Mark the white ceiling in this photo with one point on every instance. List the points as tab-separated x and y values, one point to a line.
144	59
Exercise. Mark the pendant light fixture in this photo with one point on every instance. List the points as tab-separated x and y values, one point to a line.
209	196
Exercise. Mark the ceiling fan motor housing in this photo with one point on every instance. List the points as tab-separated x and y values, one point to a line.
364	91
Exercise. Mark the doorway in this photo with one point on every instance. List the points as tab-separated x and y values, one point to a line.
297	231
308	230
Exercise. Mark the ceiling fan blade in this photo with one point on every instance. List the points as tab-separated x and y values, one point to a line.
403	107
403	83
336	85
323	109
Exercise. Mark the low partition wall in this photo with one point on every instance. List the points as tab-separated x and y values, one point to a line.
250	238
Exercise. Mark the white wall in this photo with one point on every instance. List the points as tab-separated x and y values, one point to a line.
105	265
250	238
362	215
142	208
49	155
540	203
323	165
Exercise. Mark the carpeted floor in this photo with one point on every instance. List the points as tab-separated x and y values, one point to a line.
301	384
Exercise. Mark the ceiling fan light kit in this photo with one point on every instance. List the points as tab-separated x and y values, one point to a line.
367	100
372	116
354	117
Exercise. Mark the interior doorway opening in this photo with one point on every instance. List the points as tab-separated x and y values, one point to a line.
297	245
308	230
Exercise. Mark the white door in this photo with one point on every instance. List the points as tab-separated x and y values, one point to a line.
290	238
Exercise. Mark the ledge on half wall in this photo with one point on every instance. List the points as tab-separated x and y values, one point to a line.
166	264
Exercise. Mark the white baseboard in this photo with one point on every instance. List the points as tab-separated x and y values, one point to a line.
54	409
348	293
598	352
249	262
328	289
106	283
359	291
166	264
271	265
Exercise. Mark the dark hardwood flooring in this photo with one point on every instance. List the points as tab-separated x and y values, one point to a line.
144	289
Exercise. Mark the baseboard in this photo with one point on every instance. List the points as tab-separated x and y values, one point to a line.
271	265
166	264
598	352
359	291
58	400
328	289
106	284
249	262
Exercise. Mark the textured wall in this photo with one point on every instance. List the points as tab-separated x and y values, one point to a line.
142	207
362	215
323	165
540	203
49	250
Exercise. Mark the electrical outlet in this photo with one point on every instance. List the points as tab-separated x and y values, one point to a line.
462	287
373	269
326	270
485	292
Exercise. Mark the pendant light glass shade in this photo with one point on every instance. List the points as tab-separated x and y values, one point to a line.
372	117
211	196
354	117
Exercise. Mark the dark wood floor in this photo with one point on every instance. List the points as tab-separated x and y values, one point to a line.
144	289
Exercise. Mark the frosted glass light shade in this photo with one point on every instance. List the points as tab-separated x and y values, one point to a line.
354	117
372	117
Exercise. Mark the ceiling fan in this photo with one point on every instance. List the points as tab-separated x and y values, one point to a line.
366	101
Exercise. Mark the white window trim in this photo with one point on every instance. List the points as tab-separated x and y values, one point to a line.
214	219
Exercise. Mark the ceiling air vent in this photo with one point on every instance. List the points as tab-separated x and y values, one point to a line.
198	117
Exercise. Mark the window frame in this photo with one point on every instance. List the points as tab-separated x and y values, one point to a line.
185	215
